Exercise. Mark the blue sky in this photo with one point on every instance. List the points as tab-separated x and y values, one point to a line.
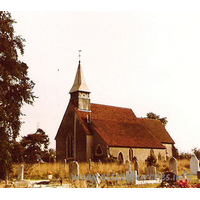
146	61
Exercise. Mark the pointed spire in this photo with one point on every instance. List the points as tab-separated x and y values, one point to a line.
79	82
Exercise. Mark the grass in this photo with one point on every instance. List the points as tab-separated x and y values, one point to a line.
40	171
58	170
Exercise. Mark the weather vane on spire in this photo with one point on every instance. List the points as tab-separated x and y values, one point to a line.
79	55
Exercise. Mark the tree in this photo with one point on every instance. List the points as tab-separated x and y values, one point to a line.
49	156
35	146
5	156
17	152
175	152
152	115
15	85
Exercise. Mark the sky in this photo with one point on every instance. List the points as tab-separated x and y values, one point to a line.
144	60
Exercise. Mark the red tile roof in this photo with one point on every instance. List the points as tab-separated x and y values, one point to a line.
121	128
120	134
157	129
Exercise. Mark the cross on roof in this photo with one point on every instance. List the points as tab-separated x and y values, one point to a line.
79	55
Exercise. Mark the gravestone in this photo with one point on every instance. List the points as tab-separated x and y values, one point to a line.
73	169
97	180
150	172
20	173
136	166
94	181
127	162
173	165
65	163
131	177
194	165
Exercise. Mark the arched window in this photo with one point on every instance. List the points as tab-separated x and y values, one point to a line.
99	150
131	154
120	158
69	145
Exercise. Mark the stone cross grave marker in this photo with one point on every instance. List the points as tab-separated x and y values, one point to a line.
194	165
173	165
20	173
73	169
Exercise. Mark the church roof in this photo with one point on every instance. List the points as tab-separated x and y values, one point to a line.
120	127
157	129
79	82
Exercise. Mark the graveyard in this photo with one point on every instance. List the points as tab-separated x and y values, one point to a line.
169	173
97	145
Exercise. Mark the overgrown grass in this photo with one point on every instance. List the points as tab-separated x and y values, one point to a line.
40	171
61	170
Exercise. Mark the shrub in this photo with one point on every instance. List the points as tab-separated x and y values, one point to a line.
196	152
151	159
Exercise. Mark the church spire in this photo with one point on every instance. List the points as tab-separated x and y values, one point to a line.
79	82
80	93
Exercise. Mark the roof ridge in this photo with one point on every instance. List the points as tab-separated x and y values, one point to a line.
121	121
110	106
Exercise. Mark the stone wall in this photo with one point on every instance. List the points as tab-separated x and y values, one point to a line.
71	125
66	127
80	141
169	150
140	153
99	141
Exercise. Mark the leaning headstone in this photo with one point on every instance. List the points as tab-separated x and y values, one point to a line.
194	165
136	167
150	172
73	169
173	165
20	173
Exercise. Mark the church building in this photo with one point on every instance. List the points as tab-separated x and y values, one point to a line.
98	132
